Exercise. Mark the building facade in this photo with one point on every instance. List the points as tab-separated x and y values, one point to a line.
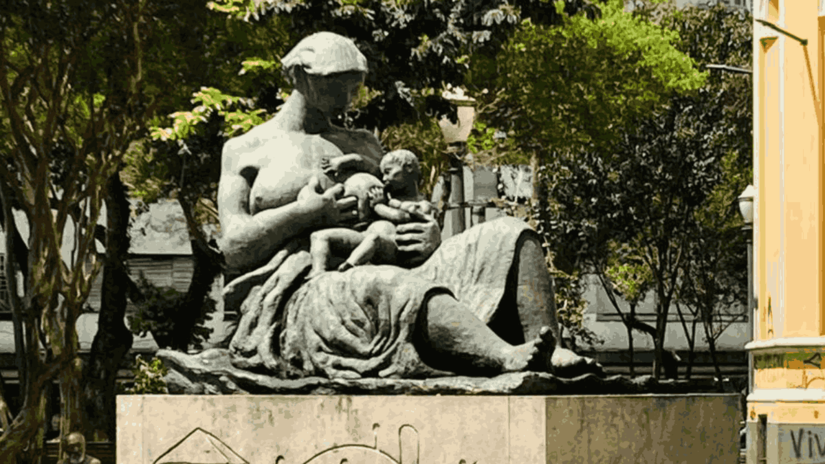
743	4
786	405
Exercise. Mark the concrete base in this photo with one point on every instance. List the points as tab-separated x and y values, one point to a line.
157	429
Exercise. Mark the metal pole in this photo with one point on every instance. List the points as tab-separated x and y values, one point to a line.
778	29
457	181
751	317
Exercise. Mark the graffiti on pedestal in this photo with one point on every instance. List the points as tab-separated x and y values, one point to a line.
408	451
202	447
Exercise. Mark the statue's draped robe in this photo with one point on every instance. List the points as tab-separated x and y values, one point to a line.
359	323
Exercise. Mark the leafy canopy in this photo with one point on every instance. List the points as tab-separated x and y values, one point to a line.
582	84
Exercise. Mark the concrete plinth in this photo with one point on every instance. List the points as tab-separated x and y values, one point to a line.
157	429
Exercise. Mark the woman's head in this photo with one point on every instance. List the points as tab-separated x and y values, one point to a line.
328	69
325	53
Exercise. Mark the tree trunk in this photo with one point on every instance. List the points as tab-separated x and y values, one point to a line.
539	198
24	429
659	339
630	351
20	443
692	354
113	339
712	347
630	341
206	266
71	398
691	338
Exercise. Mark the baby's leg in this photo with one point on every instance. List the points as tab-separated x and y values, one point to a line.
377	240
323	242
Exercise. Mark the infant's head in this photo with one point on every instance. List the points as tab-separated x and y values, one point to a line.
358	185
398	168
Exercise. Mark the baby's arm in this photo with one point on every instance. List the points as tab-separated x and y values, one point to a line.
350	162
391	214
423	210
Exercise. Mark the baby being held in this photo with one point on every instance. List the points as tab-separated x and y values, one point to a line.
380	207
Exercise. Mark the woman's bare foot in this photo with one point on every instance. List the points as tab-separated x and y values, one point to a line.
530	356
568	364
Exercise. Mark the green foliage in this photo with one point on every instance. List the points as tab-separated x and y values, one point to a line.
599	75
570	307
411	45
412	48
481	138
659	194
211	100
148	378
157	312
631	280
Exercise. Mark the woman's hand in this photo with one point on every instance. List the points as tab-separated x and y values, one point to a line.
418	240
327	207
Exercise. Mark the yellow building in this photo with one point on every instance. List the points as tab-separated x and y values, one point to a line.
786	409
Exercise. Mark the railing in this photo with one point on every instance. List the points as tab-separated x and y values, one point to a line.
478	209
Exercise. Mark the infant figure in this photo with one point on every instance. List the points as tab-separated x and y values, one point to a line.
372	240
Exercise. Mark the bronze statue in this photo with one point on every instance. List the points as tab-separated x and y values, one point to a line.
481	303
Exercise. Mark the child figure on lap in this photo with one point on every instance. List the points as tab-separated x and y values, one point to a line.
395	201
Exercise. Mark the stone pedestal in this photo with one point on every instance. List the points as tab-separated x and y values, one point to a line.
156	429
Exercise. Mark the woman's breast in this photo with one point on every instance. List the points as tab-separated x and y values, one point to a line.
285	166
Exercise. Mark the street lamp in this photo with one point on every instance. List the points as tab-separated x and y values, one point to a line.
456	137
745	201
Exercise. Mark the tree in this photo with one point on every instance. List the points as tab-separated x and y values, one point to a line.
598	74
630	280
566	95
714	280
175	41
70	77
647	191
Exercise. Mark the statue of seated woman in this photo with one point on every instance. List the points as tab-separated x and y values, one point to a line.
481	303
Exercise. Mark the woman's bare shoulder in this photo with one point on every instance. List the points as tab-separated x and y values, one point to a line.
254	148
257	137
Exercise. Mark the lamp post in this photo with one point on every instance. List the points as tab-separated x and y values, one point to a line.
746	209
456	137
